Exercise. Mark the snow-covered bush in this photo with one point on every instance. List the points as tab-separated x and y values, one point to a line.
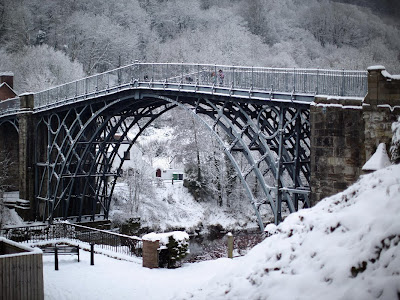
395	147
174	246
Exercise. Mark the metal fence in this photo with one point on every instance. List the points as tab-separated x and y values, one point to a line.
119	243
9	106
284	80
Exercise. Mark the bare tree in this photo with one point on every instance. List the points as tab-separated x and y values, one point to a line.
5	165
138	181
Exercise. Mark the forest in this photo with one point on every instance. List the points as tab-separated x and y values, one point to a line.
50	42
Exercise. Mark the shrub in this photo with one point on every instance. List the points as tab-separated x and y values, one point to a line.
174	246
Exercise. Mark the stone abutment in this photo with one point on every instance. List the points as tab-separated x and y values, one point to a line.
345	132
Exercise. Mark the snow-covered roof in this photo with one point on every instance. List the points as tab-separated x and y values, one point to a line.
25	248
387	75
378	160
5	73
377	67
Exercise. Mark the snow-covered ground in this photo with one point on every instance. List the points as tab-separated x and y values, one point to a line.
346	247
116	279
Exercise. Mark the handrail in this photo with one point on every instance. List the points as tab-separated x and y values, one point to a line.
277	80
120	243
236	78
9	106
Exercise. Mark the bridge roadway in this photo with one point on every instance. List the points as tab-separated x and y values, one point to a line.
263	114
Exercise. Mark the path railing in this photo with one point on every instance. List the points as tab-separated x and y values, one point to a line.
120	243
277	80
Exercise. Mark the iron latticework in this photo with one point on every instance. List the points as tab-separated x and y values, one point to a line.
79	145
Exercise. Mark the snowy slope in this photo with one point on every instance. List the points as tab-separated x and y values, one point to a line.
171	206
346	247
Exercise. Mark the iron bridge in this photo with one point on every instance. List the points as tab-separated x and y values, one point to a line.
260	114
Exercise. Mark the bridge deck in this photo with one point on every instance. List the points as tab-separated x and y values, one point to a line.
274	84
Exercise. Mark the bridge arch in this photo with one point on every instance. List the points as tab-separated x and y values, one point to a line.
77	179
9	154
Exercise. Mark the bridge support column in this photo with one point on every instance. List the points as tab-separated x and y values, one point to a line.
346	132
337	134
25	206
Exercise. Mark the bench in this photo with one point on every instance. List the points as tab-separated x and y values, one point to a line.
60	250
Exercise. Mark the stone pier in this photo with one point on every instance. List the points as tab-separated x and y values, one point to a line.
25	207
345	132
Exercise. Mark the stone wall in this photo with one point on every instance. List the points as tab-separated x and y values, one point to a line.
346	132
337	134
381	108
26	158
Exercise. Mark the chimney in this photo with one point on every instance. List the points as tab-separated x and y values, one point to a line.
8	78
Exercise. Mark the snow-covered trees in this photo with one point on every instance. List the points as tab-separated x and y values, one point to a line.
104	34
395	147
5	165
39	67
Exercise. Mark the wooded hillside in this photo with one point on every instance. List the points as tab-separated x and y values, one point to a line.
53	41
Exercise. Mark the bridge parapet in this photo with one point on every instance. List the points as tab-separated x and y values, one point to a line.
249	80
9	107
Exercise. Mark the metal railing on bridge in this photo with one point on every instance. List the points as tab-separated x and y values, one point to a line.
120	243
275	80
9	106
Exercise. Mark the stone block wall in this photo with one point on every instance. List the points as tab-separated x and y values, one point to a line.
337	133
381	108
346	132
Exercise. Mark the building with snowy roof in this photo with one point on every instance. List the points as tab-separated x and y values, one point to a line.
6	86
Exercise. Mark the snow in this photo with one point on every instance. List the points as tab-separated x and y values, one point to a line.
387	75
345	247
117	279
11	217
378	160
335	105
164	237
339	98
392	108
171	206
377	67
5	73
27	250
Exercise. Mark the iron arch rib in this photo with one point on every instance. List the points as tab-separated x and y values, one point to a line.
82	148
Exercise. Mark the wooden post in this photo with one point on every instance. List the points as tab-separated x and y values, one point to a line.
92	254
230	245
56	258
